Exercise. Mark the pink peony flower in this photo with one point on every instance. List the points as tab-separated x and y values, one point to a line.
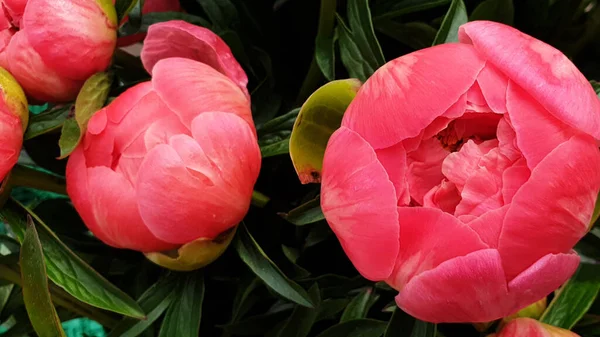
52	46
473	172
14	115
528	327
174	159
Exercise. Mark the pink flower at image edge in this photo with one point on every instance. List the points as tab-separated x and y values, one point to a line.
474	171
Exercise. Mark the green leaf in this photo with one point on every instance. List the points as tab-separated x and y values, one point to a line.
255	258
319	117
359	306
399	324
455	17
331	307
356	328
184	314
307	213
280	147
156	17
154	301
325	41
281	123
47	121
575	298
302	318
222	13
393	8
123	7
90	99
502	11
68	270
36	295
423	329
596	86
359	48
417	35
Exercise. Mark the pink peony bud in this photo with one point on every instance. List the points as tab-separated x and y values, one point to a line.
14	115
52	46
171	163
528	327
474	172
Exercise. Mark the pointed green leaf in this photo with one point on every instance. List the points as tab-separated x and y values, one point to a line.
154	301
255	258
423	329
400	323
455	17
502	11
392	8
123	7
325	41
331	307
90	99
36	295
307	213
222	13
302	318
417	35
274	149
47	121
68	270
356	328
184	314
574	299
319	117
359	306
359	49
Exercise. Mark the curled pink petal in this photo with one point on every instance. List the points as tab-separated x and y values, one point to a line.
566	93
540	210
181	39
359	203
452	292
400	92
210	178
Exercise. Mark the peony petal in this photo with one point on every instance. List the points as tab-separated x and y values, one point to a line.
542	278
459	166
110	212
444	197
205	90
493	86
87	34
425	168
209	179
507	139
396	103
15	9
393	160
11	139
121	106
483	189
552	210
181	39
359	202
429	237
489	225
537	132
465	289
39	81
540	69
513	178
